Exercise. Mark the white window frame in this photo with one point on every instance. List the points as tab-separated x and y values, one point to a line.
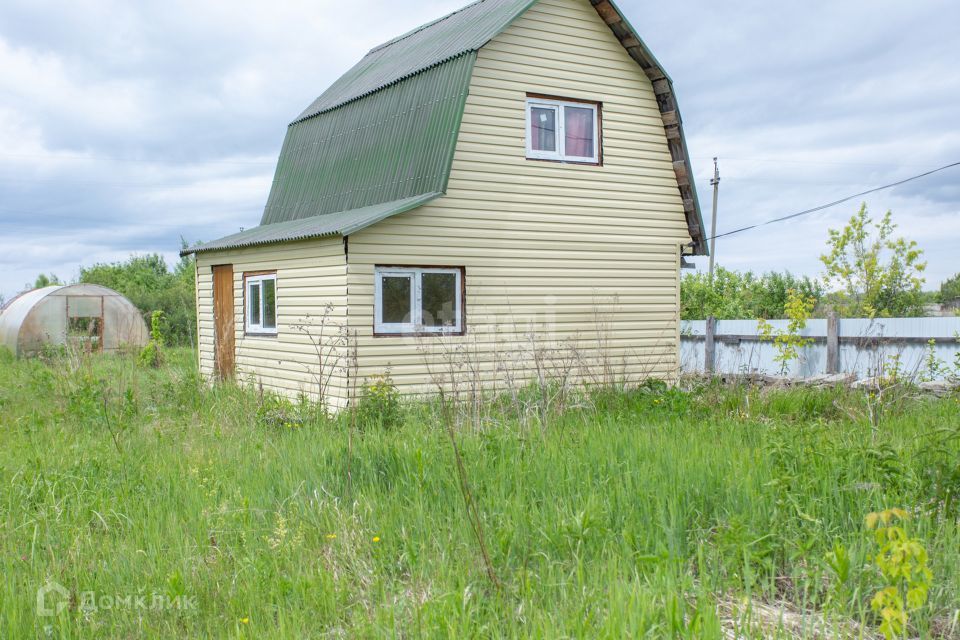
258	328
560	154
415	326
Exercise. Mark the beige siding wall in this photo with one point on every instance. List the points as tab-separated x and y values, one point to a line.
310	275
584	254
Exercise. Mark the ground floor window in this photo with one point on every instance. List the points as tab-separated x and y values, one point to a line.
418	300
260	303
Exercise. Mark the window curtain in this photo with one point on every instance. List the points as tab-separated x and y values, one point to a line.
578	125
543	127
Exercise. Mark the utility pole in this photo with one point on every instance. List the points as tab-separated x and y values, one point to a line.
713	225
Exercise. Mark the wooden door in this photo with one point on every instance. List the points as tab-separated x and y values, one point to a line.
224	325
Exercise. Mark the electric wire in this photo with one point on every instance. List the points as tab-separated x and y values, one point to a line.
835	202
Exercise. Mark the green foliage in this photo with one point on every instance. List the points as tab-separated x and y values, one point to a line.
379	404
902	562
789	343
45	280
152	353
276	412
876	274
950	289
150	285
733	294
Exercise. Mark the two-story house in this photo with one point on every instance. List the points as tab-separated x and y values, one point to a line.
504	187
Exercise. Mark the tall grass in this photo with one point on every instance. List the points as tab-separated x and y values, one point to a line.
651	512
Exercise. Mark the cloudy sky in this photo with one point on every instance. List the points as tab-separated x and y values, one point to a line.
125	126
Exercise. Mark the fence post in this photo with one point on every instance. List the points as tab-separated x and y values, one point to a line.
833	343
709	348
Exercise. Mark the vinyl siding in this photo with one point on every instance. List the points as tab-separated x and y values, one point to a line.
310	275
583	255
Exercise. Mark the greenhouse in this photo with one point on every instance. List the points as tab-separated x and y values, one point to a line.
82	316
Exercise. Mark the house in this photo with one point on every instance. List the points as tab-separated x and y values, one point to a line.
508	185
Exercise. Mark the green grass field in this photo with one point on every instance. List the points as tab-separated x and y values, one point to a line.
168	509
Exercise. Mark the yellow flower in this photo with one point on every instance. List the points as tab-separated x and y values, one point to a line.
376	538
245	620
331	536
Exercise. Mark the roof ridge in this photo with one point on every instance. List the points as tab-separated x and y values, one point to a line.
366	94
422	27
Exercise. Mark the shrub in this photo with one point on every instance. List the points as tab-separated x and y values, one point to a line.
379	405
150	284
276	412
152	353
789	343
950	289
735	294
902	562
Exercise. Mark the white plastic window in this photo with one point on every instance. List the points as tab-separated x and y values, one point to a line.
418	300
261	304
562	130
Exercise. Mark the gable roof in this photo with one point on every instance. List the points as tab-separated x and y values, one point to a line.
383	135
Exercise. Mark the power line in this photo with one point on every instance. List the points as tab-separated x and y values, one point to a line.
836	202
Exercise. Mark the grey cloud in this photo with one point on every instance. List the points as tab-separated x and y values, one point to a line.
146	121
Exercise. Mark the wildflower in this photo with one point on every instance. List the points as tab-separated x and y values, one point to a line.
331	536
245	620
376	538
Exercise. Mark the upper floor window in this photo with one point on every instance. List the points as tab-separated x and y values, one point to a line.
563	130
418	300
260	302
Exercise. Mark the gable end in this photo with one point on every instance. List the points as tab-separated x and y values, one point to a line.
669	113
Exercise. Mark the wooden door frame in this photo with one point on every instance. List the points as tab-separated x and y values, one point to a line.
224	328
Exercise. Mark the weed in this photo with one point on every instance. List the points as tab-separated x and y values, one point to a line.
277	412
379	404
152	354
902	562
640	510
789	343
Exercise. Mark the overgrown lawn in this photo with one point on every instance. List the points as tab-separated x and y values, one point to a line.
169	509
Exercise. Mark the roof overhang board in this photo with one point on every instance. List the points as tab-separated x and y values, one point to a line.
669	113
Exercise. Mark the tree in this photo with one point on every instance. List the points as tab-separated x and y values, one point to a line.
875	273
950	289
732	294
45	280
151	286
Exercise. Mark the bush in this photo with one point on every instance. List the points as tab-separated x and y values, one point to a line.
733	294
152	353
150	285
950	289
276	412
379	405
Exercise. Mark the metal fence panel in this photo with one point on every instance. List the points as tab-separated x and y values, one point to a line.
866	346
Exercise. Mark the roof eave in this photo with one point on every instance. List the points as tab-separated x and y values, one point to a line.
669	114
344	229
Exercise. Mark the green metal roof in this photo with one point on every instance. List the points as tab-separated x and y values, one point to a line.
383	135
328	224
387	129
393	144
464	30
